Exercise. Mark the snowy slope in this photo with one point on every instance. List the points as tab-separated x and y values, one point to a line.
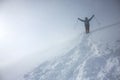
95	57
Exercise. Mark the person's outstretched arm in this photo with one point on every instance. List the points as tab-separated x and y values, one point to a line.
81	20
91	17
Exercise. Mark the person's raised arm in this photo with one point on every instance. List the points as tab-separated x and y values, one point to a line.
81	20
91	17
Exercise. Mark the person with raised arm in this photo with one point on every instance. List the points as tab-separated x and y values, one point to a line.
87	23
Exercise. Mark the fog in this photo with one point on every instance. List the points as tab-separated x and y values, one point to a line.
29	27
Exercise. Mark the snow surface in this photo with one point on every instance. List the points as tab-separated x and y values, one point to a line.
95	57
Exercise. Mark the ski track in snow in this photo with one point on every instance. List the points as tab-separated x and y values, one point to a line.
89	60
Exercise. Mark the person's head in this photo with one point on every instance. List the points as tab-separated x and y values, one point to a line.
86	18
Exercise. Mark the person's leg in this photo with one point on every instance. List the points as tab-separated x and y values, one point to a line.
86	29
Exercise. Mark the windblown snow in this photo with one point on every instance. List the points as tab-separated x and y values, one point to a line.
95	57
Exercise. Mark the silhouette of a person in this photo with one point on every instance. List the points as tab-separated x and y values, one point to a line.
86	23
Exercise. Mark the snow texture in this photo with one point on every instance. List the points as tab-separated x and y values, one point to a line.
95	57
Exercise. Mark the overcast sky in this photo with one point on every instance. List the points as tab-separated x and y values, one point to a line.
30	26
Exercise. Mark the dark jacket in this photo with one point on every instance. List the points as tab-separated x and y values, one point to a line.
86	21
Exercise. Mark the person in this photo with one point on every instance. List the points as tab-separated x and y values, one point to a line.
86	23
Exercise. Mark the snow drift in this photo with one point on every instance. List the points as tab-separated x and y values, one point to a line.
95	57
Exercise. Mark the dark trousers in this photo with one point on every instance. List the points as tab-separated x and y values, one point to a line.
87	29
